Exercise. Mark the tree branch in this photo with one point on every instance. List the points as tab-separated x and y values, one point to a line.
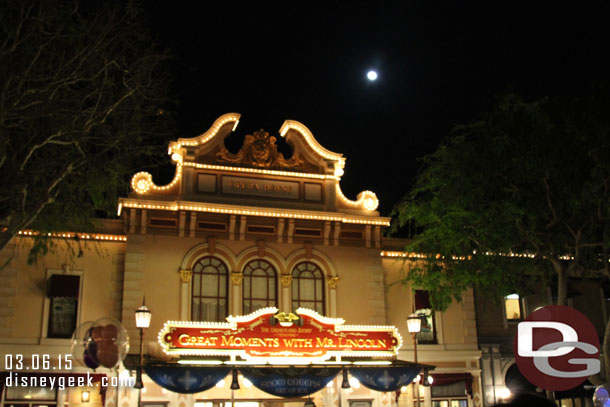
549	202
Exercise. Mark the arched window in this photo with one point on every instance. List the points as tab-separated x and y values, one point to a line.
308	287
209	290
260	286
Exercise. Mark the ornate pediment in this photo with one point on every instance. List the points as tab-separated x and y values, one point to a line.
206	171
259	150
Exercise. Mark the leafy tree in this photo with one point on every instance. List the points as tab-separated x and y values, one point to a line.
509	199
80	105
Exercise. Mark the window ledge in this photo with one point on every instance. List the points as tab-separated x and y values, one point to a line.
55	341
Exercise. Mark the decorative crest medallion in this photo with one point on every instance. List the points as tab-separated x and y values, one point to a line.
285	319
259	150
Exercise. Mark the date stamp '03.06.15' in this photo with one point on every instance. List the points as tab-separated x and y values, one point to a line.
53	371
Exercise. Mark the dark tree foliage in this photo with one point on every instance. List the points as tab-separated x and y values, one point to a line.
81	96
528	179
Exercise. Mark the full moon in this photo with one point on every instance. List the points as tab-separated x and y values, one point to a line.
371	75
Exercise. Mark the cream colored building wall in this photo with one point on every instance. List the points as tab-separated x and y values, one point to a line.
456	326
24	284
24	306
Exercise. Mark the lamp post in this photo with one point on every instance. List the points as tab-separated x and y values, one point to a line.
309	403
143	316
414	327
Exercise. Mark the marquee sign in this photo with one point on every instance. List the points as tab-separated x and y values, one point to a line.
268	336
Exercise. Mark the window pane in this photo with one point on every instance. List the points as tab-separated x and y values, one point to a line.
196	284
272	298
455	389
256	304
424	310
62	321
210	285
319	294
259	286
513	307
307	290
222	281
30	393
195	311
222	308
209	290
308	287
295	289
319	308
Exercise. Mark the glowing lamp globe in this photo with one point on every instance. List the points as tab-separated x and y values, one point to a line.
85	396
414	324
143	315
503	393
371	75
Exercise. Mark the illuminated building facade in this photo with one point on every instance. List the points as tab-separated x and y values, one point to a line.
234	234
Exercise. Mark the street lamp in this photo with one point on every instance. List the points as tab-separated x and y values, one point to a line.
85	396
414	327
143	316
345	384
234	381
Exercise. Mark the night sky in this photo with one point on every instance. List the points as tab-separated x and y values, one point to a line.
439	64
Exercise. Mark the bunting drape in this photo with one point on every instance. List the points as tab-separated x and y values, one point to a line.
186	379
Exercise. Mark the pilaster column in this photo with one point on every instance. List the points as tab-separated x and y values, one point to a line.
286	300
332	295
185	282
236	288
143	221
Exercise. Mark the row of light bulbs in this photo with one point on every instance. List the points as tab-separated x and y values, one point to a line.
366	199
304	131
390	253
208	135
262	212
82	236
258	171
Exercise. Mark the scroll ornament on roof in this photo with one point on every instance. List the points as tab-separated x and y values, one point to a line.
260	150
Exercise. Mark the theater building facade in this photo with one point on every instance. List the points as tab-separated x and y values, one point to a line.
267	286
